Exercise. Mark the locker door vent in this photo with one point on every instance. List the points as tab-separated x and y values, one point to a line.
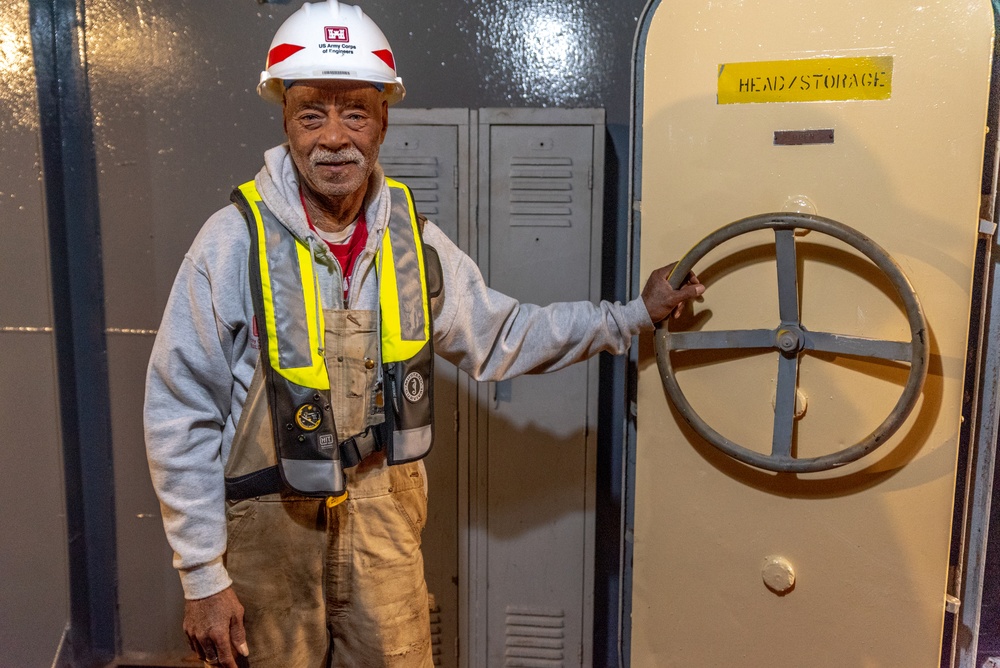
435	611
541	191
422	174
535	637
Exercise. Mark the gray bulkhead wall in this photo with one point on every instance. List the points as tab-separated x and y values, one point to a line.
34	587
176	126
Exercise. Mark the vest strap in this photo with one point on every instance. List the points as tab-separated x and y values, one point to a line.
258	483
354	450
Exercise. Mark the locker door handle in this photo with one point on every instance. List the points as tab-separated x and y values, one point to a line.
790	339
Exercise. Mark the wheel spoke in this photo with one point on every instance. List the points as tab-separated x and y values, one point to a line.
788	276
900	351
723	339
784	406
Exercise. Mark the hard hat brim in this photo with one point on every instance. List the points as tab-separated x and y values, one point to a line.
272	89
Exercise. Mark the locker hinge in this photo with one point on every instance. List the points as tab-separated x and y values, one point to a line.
454	177
456	420
987	227
590	178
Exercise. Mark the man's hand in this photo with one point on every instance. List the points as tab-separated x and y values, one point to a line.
661	299
214	628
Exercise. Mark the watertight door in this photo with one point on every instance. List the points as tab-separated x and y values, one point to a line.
872	115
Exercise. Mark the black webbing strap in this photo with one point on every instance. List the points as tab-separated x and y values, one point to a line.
258	483
354	450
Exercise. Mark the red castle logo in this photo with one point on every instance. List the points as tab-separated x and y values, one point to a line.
336	34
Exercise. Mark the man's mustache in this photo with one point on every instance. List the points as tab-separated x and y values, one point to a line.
344	155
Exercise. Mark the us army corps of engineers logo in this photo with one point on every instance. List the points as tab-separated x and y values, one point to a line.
336	40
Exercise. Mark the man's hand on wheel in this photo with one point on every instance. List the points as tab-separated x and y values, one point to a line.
662	299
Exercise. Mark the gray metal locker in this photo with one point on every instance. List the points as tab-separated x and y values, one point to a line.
428	151
540	210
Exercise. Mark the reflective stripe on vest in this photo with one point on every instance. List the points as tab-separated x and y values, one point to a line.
406	318
295	340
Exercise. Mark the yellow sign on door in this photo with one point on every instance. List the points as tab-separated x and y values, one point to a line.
807	80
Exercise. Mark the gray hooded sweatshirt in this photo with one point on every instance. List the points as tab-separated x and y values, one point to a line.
205	352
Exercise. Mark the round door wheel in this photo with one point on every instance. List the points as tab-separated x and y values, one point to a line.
790	339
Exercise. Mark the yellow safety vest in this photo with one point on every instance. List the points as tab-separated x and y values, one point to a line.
290	321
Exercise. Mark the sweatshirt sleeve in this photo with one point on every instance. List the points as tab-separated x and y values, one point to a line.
492	336
189	388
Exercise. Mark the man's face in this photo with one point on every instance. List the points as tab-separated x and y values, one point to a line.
334	131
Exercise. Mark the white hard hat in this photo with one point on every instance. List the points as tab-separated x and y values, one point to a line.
329	40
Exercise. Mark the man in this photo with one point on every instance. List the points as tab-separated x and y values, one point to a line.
276	383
